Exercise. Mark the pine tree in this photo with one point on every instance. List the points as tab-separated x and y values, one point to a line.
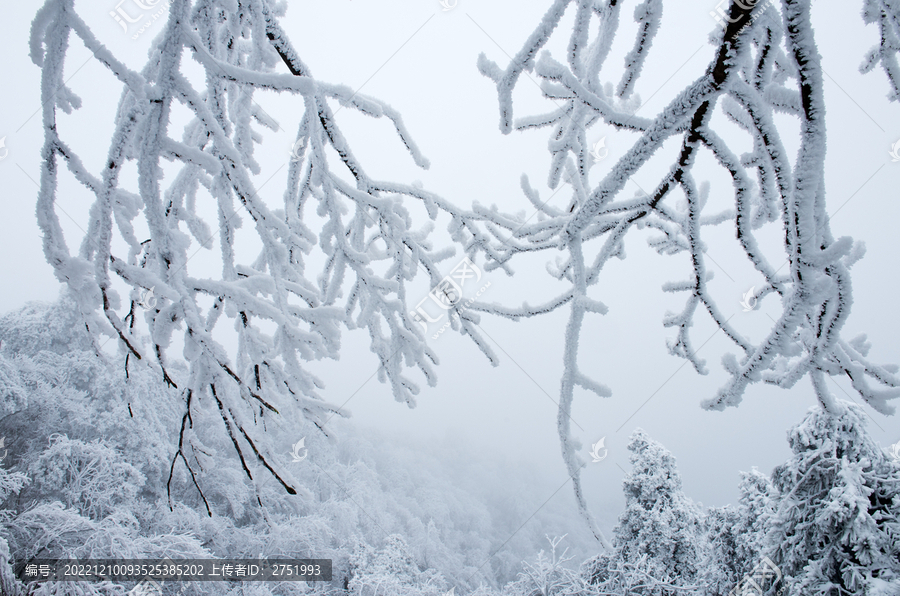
549	575
718	570
734	535
657	542
836	527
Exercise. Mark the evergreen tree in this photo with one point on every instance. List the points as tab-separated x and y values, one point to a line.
836	530
657	542
734	535
718	570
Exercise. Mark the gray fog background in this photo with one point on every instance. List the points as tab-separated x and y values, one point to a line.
421	60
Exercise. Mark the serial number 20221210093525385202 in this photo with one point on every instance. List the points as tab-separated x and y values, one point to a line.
184	570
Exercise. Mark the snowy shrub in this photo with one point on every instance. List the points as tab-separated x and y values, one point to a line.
549	575
13	395
48	529
10	482
91	477
391	570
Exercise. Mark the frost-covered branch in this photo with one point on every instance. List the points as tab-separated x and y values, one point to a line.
762	66
886	15
337	249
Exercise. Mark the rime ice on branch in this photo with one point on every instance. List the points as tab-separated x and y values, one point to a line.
768	66
886	15
285	311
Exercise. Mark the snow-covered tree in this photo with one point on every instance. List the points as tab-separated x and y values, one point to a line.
827	520
734	535
85	467
766	64
9	483
717	573
657	545
836	527
84	473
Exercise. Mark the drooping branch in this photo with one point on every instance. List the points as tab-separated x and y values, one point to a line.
758	60
287	313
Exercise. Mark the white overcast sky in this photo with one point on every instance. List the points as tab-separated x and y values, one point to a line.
421	60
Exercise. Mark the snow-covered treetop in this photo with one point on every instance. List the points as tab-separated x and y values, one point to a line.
836	520
653	471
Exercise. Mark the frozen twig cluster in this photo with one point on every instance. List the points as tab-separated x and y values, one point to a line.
288	305
887	16
770	66
632	578
548	574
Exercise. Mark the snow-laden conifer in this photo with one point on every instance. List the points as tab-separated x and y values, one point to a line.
657	544
837	519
